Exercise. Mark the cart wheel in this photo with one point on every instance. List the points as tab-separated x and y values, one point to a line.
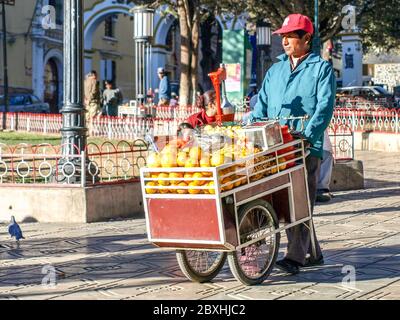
200	266
251	265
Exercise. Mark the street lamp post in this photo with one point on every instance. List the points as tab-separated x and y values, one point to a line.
5	63
73	129
317	40
263	47
142	34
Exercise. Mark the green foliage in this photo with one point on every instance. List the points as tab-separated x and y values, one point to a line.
378	19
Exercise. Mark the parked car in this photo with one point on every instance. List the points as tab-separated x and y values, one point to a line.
396	92
369	93
24	102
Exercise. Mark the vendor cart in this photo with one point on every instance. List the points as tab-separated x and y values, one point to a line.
239	214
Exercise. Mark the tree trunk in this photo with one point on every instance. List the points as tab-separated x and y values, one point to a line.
184	91
195	55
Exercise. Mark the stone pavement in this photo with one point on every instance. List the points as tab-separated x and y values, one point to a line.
113	260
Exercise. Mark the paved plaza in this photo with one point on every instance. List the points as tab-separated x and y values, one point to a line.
359	232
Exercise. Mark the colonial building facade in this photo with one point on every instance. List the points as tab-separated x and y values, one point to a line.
35	51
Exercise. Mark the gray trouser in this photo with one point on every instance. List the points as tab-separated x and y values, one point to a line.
299	241
325	173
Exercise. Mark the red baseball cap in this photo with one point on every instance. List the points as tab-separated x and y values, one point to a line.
295	22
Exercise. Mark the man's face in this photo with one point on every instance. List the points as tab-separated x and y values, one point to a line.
160	75
294	46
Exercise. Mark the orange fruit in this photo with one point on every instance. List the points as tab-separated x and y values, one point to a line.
153	160
182	191
205	161
192	163
150	190
211	185
198	175
168	160
227	187
237	183
181	158
217	159
194	191
207	174
175	175
274	169
283	166
163	176
154	175
169	149
195	153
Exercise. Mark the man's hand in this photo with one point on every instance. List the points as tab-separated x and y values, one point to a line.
246	118
300	135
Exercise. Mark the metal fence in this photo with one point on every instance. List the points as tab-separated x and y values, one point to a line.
44	164
370	119
342	139
119	163
164	123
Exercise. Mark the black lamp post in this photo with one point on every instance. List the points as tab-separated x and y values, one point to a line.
263	48
73	129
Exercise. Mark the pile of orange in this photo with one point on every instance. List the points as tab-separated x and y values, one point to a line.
173	156
171	182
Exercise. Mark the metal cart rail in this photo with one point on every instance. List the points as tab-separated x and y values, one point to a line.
239	217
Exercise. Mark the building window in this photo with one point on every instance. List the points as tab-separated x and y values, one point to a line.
109	24
58	5
108	71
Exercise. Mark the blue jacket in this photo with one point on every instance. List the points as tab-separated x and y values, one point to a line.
309	90
164	90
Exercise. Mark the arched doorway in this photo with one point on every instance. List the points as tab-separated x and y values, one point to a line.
93	17
51	85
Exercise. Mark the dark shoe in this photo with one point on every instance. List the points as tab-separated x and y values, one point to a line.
310	262
323	197
288	266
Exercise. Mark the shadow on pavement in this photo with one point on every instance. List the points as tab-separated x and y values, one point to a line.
129	261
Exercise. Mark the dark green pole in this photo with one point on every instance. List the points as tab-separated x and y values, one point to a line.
317	41
73	130
5	65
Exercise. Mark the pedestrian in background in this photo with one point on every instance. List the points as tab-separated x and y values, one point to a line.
112	98
150	96
92	99
164	89
174	100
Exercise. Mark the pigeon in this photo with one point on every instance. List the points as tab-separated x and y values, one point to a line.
14	230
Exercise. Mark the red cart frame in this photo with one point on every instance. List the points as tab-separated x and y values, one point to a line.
214	222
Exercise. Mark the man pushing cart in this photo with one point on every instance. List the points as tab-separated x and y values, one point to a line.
231	191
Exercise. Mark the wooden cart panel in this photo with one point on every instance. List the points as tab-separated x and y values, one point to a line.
300	196
188	219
